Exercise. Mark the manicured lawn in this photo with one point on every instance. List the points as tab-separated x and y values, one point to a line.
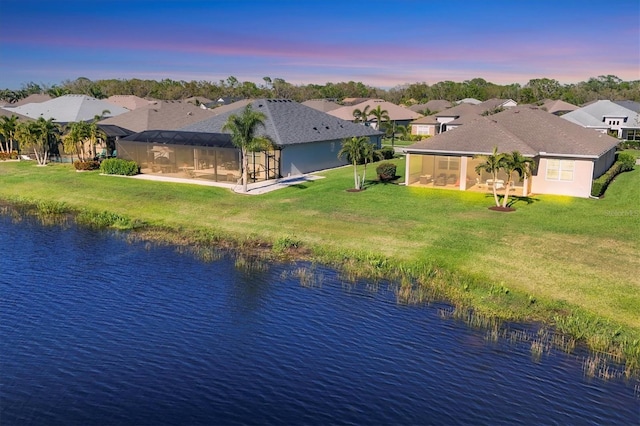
582	252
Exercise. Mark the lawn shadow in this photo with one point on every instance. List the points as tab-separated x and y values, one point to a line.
514	199
395	181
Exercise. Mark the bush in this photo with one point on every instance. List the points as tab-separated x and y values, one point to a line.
629	145
627	159
386	171
624	163
86	165
13	155
117	166
386	153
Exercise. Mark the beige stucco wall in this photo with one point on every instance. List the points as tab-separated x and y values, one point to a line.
580	186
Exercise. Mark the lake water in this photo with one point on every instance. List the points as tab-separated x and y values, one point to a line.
95	330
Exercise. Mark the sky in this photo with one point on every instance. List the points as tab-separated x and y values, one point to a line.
380	43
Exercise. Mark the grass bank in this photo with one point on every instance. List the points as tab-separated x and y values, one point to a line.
564	261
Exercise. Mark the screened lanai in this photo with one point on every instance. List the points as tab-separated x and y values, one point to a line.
458	172
195	155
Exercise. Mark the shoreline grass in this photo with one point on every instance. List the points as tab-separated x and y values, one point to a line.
570	263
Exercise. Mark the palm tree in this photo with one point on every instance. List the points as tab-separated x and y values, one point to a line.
41	135
243	130
492	164
8	127
354	150
380	115
369	155
516	162
361	115
75	139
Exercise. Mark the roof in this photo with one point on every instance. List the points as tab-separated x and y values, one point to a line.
197	100
69	108
288	122
472	101
494	103
592	115
129	102
556	106
162	115
323	105
460	110
113	131
433	105
176	137
395	112
8	113
529	130
217	110
34	98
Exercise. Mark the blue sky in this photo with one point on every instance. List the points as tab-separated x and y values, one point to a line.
381	43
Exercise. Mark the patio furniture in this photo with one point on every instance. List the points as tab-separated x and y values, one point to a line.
441	180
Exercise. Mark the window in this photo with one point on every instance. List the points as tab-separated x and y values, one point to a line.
633	135
561	170
448	163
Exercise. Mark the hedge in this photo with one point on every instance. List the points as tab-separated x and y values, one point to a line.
117	166
624	163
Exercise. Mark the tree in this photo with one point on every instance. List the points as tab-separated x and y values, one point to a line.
41	136
361	115
8	127
243	130
380	114
491	164
355	149
515	162
369	155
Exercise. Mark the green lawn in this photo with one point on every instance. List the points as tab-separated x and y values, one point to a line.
562	251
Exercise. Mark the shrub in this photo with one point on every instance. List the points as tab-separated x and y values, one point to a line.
629	145
386	153
13	155
386	171
118	166
625	162
86	165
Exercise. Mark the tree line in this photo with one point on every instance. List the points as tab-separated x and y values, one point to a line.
536	90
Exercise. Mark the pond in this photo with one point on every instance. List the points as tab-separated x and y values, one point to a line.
98	330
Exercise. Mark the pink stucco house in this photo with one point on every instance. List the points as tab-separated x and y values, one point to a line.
568	156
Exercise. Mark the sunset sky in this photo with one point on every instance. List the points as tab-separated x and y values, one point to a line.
380	43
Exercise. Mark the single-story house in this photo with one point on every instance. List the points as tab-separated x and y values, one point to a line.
621	118
568	157
305	140
432	106
558	107
69	108
129	102
160	115
401	115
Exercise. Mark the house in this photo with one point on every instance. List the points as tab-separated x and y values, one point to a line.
557	107
305	140
324	105
401	115
199	101
129	102
620	118
161	115
472	101
456	116
33	98
568	157
69	108
432	106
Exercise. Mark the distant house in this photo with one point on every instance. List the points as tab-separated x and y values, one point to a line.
323	105
557	107
31	99
401	115
472	101
621	118
456	116
305	140
432	106
568	157
160	115
69	108
129	102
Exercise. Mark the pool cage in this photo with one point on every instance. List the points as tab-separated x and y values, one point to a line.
195	155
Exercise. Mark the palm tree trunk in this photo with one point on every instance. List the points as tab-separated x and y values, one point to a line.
355	176
495	191
245	171
506	193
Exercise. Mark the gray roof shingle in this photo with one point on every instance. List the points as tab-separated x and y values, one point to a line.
288	123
